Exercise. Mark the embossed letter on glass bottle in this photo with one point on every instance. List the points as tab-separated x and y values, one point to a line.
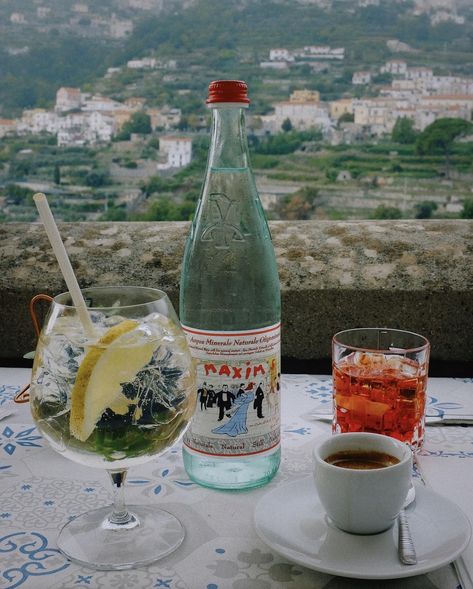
230	310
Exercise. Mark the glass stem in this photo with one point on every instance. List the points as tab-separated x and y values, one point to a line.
120	515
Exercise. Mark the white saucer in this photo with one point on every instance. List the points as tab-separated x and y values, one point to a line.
291	520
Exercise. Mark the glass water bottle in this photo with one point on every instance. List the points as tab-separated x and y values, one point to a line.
230	310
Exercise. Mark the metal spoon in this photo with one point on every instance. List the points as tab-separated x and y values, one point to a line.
430	420
406	549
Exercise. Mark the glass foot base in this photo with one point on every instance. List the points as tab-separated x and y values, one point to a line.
90	539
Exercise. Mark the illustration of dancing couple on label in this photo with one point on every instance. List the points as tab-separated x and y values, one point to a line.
236	408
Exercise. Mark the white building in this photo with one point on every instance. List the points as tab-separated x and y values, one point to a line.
111	71
177	152
17	50
7	127
422	6
397	46
68	99
378	114
71	137
100	103
338	108
321	52
425	115
85	128
274	65
38	120
447	100
43	11
303	116
280	54
419	73
401	89
451	85
102	127
17	18
144	63
444	16
396	67
361	78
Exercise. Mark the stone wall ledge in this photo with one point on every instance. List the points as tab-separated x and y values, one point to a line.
410	274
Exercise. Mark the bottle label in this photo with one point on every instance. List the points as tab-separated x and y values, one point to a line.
238	396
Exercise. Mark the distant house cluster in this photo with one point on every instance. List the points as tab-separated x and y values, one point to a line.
282	58
304	110
151	63
114	27
80	119
415	93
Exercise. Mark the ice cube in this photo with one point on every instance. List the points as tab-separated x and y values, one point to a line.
394	362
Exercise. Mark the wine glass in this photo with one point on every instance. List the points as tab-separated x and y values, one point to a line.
114	401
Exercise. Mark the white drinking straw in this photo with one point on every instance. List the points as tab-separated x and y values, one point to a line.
64	263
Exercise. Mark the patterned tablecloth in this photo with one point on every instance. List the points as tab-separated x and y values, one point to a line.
40	490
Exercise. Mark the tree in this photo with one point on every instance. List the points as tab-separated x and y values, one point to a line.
467	212
439	137
298	206
96	178
286	125
18	195
384	212
403	131
424	209
57	174
346	117
139	122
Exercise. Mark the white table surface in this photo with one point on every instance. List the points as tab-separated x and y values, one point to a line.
40	490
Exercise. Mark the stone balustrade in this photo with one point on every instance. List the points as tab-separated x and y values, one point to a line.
410	274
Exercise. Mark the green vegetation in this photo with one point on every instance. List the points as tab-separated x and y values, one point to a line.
411	174
440	136
139	123
323	180
32	79
404	132
284	143
467	212
212	39
386	212
425	209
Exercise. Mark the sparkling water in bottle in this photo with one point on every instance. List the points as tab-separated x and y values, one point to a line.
230	310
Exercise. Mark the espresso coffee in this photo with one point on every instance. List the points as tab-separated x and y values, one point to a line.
360	460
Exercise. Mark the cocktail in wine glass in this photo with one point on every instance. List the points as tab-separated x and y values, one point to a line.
113	401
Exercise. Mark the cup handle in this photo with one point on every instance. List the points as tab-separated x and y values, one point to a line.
23	396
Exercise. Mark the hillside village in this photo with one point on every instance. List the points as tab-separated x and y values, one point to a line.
80	118
415	93
130	137
91	19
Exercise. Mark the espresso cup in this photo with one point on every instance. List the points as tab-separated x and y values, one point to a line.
361	499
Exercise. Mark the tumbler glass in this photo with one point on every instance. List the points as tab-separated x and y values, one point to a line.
379	382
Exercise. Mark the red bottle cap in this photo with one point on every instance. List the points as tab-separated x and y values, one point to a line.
228	91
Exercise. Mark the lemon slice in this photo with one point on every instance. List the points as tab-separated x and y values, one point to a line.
116	358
